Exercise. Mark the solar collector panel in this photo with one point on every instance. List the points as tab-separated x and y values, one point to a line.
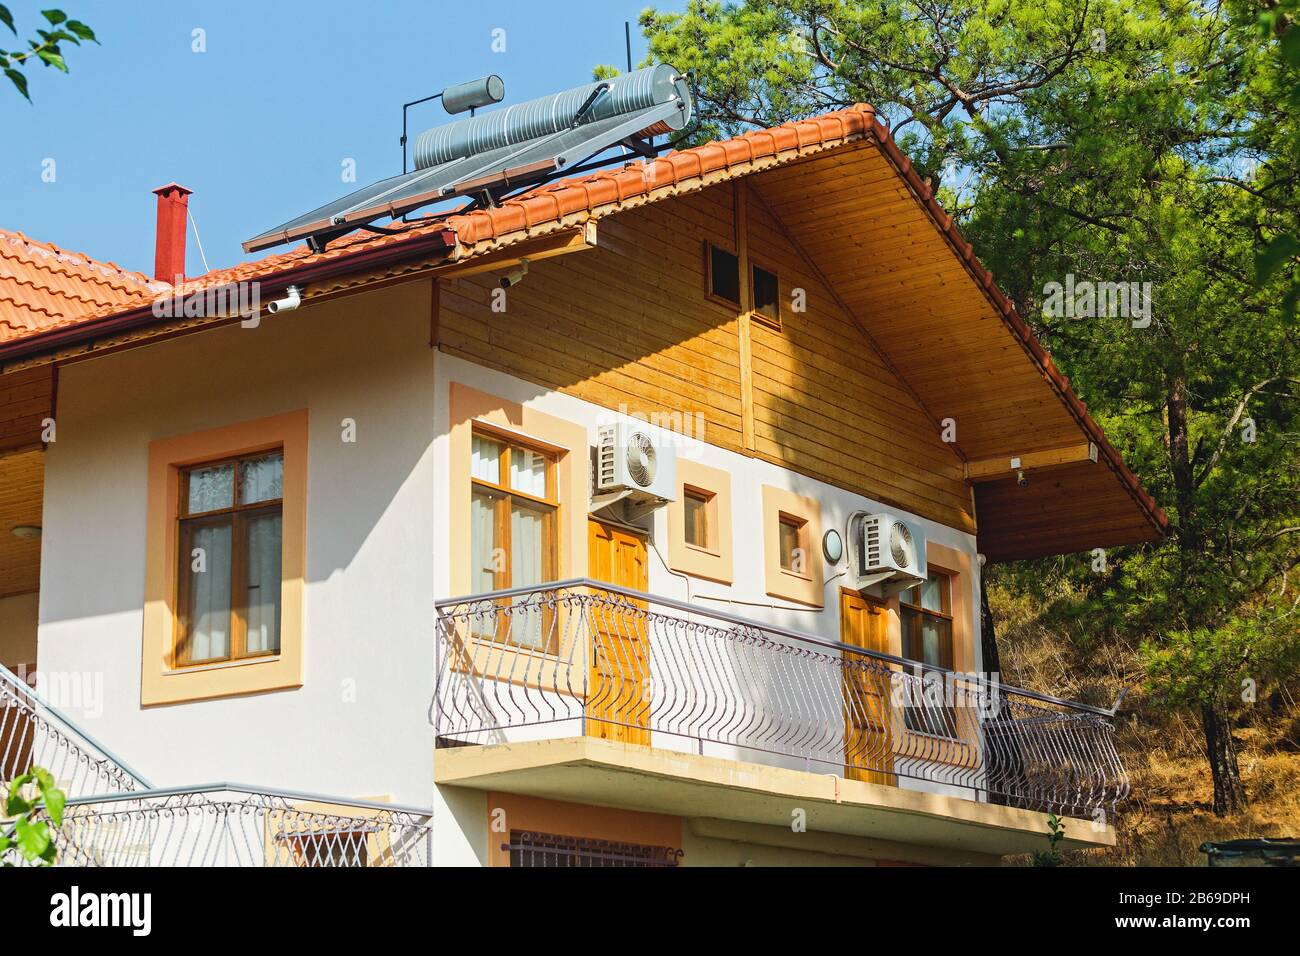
488	153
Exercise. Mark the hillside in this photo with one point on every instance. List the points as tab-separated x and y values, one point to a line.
1168	816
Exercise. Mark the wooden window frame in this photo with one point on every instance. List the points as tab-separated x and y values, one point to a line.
757	315
800	524
240	515
161	682
506	496
710	502
501	513
908	634
708	276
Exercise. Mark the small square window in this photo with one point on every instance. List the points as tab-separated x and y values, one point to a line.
696	508
793	548
766	289
724	275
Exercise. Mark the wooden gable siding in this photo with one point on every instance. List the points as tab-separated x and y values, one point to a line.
628	324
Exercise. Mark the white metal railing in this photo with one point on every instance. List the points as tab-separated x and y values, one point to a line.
114	818
35	733
583	657
228	824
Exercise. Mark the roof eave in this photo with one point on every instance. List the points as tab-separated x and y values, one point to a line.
443	240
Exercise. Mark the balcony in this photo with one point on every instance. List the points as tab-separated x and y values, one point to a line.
234	825
114	818
580	674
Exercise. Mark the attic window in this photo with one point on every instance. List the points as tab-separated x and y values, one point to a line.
792	543
724	275
697	508
766	296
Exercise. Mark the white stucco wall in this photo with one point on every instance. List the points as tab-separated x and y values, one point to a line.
358	725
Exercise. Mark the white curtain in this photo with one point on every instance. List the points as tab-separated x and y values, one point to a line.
210	593
211	489
527	538
264	550
261	479
932	594
483	544
528	472
485	461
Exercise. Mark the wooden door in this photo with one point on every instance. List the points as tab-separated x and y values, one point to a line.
868	713
618	694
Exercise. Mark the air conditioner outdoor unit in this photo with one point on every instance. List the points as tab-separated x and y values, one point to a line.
889	554
631	466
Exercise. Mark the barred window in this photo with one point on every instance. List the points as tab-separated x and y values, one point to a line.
528	848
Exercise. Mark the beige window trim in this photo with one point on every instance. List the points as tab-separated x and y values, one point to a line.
712	563
567	440
161	680
806	587
472	410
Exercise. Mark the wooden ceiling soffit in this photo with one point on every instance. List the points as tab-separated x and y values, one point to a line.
22	485
26	408
906	275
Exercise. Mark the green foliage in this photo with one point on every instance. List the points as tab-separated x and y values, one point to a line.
31	836
1055	834
45	46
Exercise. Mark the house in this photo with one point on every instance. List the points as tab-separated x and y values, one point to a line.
634	518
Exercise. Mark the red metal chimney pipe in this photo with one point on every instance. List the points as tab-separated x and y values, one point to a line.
169	251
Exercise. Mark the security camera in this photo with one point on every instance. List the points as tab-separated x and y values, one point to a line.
291	301
1022	479
515	275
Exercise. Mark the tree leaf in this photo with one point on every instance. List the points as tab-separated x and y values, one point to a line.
81	30
1291	46
53	59
1278	251
33	838
54	799
7	19
16	804
19	81
54	16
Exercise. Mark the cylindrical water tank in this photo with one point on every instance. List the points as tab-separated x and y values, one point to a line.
551	114
475	93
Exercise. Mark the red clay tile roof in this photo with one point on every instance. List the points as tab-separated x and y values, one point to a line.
597	194
604	192
43	287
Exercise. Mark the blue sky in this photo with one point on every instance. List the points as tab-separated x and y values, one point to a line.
259	124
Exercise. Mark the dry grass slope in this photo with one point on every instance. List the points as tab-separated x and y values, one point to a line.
1169	816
